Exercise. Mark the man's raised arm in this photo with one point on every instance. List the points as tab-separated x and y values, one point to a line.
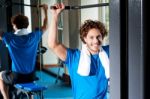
45	20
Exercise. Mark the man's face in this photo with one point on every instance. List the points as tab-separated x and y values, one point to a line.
93	40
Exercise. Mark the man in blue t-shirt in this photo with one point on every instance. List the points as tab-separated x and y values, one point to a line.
88	67
22	47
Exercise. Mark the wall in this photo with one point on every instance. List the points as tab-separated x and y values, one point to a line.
89	13
3	49
69	33
96	13
49	57
135	35
4	56
126	49
115	83
5	24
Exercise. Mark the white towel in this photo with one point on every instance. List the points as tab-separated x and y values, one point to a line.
85	61
20	32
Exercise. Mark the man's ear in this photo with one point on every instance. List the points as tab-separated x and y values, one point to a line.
85	39
14	27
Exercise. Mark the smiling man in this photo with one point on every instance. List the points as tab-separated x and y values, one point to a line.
88	67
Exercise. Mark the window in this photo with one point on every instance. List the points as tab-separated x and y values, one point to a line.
27	12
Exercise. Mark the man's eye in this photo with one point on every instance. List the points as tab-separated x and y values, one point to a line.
99	37
91	37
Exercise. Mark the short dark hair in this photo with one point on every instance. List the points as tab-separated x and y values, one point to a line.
90	24
20	21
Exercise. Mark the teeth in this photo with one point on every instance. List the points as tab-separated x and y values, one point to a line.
95	45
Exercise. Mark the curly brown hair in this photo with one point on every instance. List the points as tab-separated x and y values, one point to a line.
90	24
20	21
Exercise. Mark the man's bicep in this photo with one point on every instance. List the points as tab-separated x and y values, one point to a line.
61	51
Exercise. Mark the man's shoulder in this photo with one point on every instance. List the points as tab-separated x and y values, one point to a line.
106	48
6	34
71	50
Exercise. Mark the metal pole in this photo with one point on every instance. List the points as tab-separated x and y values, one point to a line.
83	6
8	3
22	4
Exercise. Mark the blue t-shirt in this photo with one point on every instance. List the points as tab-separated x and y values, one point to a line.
93	86
23	50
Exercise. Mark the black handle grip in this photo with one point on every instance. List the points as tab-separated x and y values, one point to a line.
66	7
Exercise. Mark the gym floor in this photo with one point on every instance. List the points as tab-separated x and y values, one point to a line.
58	90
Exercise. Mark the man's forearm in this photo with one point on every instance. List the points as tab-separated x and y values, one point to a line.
52	36
45	20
